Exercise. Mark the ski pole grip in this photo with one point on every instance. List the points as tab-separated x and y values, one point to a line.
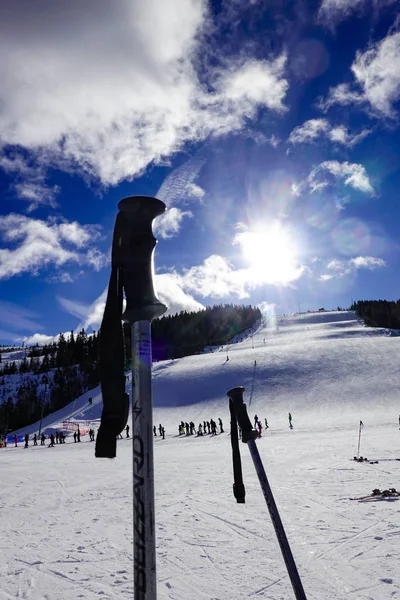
248	433
137	258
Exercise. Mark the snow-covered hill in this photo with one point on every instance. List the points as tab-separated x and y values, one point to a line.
67	517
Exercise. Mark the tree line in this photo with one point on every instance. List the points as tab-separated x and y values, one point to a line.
71	363
378	313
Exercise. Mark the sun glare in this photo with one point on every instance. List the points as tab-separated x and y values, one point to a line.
271	254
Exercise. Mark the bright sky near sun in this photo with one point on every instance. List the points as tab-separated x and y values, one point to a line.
269	129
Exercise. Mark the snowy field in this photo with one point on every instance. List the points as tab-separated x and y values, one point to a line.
66	517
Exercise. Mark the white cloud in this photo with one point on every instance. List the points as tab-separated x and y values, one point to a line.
341	94
29	181
18	317
336	265
120	90
377	79
367	262
171	294
341	268
195	191
41	339
352	174
217	277
313	129
309	131
37	193
179	188
338	10
325	277
77	309
169	223
35	244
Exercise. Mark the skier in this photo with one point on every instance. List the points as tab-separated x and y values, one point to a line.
61	437
213	427
75	437
51	441
208	427
127	431
160	429
200	429
42	438
16	441
290	421
221	429
57	437
26	440
266	423
187	427
255	420
35	440
78	435
259	425
163	432
155	430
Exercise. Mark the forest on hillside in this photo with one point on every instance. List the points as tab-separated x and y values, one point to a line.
378	313
70	365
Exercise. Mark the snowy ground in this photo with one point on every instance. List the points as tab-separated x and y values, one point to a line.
66	517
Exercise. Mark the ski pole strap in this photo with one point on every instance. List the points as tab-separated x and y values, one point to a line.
238	487
236	396
111	352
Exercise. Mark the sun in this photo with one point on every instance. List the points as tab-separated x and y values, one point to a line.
271	254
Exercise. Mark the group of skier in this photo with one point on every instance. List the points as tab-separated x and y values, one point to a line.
57	438
161	431
204	428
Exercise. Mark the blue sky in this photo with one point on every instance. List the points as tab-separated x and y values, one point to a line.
269	129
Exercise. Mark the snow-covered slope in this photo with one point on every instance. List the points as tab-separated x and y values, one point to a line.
322	365
66	517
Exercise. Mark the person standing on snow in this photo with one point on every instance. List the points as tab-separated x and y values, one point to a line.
16	441
290	421
259	425
35	440
221	429
266	423
255	420
26	440
127	431
51	445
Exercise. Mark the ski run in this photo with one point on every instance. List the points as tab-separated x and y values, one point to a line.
66	517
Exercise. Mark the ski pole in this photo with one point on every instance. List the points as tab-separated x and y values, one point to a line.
132	272
142	307
359	438
248	436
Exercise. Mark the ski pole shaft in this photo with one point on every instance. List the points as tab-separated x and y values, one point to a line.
359	441
249	436
144	545
277	523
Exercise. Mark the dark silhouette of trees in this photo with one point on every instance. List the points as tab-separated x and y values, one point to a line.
71	363
378	313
